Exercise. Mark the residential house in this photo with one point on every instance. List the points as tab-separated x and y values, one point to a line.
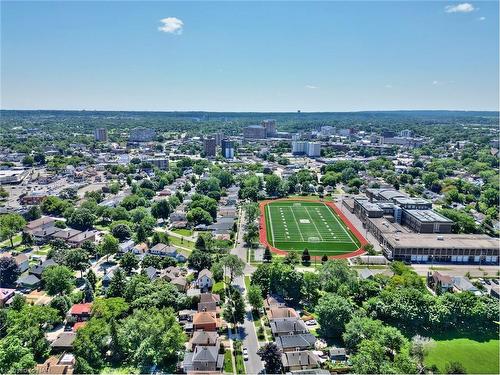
6	294
43	235
337	354
21	260
273	301
288	326
203	338
63	342
300	360
171	273
126	246
205	279
442	283
80	311
163	250
38	269
303	341
203	359
209	297
80	238
63	365
41	223
151	273
281	312
66	234
140	249
462	284
180	283
206	321
28	281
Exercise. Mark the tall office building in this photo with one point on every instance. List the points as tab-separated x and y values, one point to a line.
270	126
160	163
142	135
407	133
209	146
219	136
254	132
101	134
227	149
311	149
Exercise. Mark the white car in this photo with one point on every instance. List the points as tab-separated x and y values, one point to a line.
245	354
311	322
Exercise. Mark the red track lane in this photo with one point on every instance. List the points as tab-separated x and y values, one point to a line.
263	228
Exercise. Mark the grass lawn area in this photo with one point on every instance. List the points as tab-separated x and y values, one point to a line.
478	355
218	287
238	357
296	225
247	282
183	232
15	239
228	363
175	241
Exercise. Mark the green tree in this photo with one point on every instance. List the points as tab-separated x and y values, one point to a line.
271	356
199	260
268	256
121	231
9	271
117	284
77	259
234	265
198	216
10	225
254	296
109	246
111	308
161	209
58	280
81	219
129	262
291	258
333	313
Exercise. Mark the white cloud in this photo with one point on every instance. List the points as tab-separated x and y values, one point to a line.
459	8
171	25
311	87
388	86
481	18
435	83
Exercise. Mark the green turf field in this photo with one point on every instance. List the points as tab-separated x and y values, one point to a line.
294	226
478	357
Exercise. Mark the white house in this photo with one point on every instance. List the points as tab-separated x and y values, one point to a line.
205	279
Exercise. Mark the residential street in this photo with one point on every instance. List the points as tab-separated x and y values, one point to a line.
247	333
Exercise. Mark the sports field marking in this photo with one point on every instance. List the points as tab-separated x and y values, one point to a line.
294	218
317	230
345	230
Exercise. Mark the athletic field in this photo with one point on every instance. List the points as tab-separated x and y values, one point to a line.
296	225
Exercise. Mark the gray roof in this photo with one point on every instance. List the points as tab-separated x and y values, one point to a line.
302	341
300	358
64	340
203	337
288	325
463	283
28	280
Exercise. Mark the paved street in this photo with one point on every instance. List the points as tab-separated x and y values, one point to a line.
247	332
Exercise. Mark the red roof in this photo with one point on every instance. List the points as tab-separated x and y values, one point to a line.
80	309
78	325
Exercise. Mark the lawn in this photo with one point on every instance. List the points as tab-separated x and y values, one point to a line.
478	355
182	242
296	225
183	232
228	362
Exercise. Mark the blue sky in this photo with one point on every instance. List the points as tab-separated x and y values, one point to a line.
239	56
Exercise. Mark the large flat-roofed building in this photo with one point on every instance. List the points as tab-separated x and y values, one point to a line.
160	163
101	134
13	176
270	126
209	146
426	221
142	135
461	248
254	132
227	148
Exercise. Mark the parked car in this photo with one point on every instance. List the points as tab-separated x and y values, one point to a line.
245	354
496	281
311	322
487	281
